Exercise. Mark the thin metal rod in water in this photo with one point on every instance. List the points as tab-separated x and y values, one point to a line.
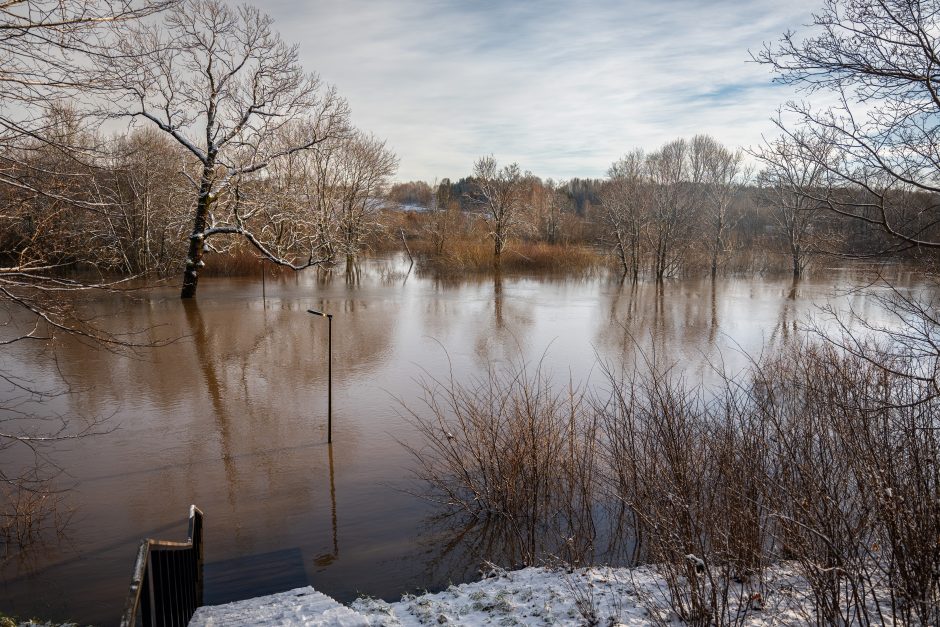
329	373
333	503
329	379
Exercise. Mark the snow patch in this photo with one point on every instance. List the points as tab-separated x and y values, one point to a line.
301	606
601	596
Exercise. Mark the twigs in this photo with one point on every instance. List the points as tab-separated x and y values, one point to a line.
817	457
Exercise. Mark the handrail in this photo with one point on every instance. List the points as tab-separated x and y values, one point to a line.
166	587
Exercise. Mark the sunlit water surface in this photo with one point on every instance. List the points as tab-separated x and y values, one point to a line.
232	414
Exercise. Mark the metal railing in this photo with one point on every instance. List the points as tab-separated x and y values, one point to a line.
167	585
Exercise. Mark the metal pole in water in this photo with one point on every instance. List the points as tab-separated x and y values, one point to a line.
329	378
329	373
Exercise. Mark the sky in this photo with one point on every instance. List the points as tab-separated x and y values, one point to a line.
562	88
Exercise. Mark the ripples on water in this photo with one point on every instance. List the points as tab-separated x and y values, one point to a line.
231	415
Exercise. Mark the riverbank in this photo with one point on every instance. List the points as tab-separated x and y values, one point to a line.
589	596
533	596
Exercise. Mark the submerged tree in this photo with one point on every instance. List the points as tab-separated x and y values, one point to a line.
675	177
362	166
790	180
497	192
221	82
723	176
625	207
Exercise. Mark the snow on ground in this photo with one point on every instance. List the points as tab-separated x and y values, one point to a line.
601	596
302	606
593	596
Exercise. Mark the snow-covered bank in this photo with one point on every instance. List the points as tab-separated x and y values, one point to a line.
592	596
599	596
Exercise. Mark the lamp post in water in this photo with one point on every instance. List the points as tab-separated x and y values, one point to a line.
329	374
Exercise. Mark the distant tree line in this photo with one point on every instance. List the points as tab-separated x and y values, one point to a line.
125	204
691	206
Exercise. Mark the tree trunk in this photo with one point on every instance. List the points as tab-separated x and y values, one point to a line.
797	253
635	253
623	257
197	240
497	251
715	252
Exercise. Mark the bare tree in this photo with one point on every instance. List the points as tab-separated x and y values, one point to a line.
497	192
287	204
625	202
222	83
144	212
47	149
47	185
44	47
545	204
879	59
42	44
445	219
364	165
675	177
724	175
876	149
792	176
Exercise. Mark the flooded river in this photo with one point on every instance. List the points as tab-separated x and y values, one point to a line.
231	414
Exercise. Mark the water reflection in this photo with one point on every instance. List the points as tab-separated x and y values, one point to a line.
498	300
232	415
325	559
787	320
207	363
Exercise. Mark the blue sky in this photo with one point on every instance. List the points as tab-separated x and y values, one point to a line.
563	88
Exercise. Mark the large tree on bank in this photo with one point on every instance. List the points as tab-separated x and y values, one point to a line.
878	62
221	82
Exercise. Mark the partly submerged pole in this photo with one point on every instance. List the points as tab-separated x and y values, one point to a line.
329	374
329	379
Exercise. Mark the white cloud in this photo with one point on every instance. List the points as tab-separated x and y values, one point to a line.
563	88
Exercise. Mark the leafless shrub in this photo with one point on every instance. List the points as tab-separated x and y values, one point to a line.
30	510
510	452
687	475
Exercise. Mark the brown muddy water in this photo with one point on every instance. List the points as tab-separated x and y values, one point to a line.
231	415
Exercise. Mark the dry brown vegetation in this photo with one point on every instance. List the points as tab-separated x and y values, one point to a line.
826	460
475	256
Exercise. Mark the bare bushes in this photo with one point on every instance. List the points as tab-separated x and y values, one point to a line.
857	486
819	459
514	454
684	479
30	510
